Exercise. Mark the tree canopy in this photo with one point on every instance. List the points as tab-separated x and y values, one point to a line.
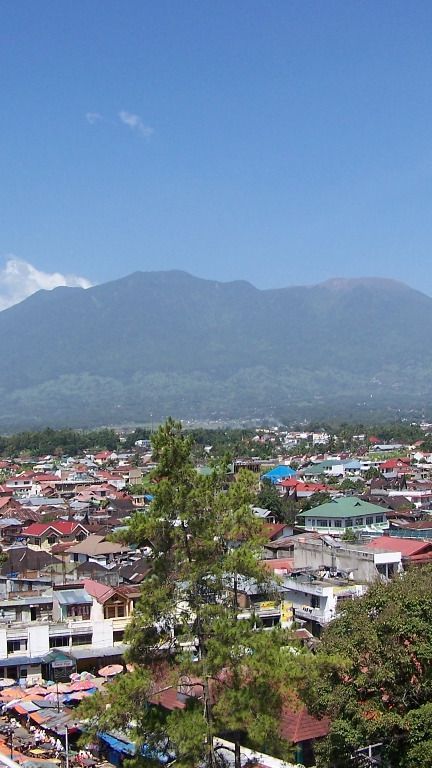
379	688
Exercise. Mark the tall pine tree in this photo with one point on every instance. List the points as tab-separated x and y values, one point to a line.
206	555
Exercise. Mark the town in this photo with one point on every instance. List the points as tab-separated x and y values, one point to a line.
337	515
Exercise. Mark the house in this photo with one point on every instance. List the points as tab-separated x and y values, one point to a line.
316	598
114	602
45	535
393	468
411	529
27	563
264	514
301	729
281	547
281	472
343	513
274	531
413	551
300	490
329	556
331	467
95	548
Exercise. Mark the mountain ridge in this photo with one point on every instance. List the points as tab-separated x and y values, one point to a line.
169	342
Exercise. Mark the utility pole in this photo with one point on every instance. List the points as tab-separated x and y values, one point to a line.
67	746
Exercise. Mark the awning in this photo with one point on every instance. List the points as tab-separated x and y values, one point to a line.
97	653
20	661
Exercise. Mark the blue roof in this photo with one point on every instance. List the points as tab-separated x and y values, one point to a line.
352	464
120	746
278	473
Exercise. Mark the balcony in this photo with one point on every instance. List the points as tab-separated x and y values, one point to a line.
313	614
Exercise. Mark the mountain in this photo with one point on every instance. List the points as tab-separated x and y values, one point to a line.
169	343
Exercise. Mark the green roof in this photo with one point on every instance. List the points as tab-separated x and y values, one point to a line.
345	506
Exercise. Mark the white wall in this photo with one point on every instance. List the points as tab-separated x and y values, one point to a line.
102	634
3	643
38	639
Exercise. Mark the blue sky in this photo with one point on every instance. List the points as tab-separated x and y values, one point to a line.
278	142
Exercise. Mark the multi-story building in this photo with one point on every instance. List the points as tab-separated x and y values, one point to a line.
87	621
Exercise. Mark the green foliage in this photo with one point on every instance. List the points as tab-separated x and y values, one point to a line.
207	545
352	484
350	535
57	442
315	500
124	705
284	509
381	689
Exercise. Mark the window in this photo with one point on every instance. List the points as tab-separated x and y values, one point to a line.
115	611
315	601
348	523
270	621
78	610
23	671
379	519
37	542
11	672
323	523
16	645
338	523
118	636
82	639
52	539
369	520
59	642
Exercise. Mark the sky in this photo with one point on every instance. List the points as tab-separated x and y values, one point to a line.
279	142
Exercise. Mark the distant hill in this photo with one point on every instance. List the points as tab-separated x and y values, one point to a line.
168	343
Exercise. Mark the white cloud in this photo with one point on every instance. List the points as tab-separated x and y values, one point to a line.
135	123
19	279
93	117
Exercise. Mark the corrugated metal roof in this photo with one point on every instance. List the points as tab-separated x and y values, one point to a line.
73	597
91	653
19	661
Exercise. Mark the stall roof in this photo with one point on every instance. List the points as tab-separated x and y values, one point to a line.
93	652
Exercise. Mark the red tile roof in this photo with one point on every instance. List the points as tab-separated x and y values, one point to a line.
301	726
100	591
62	527
401	464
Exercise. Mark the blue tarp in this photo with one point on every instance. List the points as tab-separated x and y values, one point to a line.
127	748
120	746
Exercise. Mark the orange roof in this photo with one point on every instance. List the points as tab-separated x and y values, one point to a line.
406	546
301	726
279	564
273	529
